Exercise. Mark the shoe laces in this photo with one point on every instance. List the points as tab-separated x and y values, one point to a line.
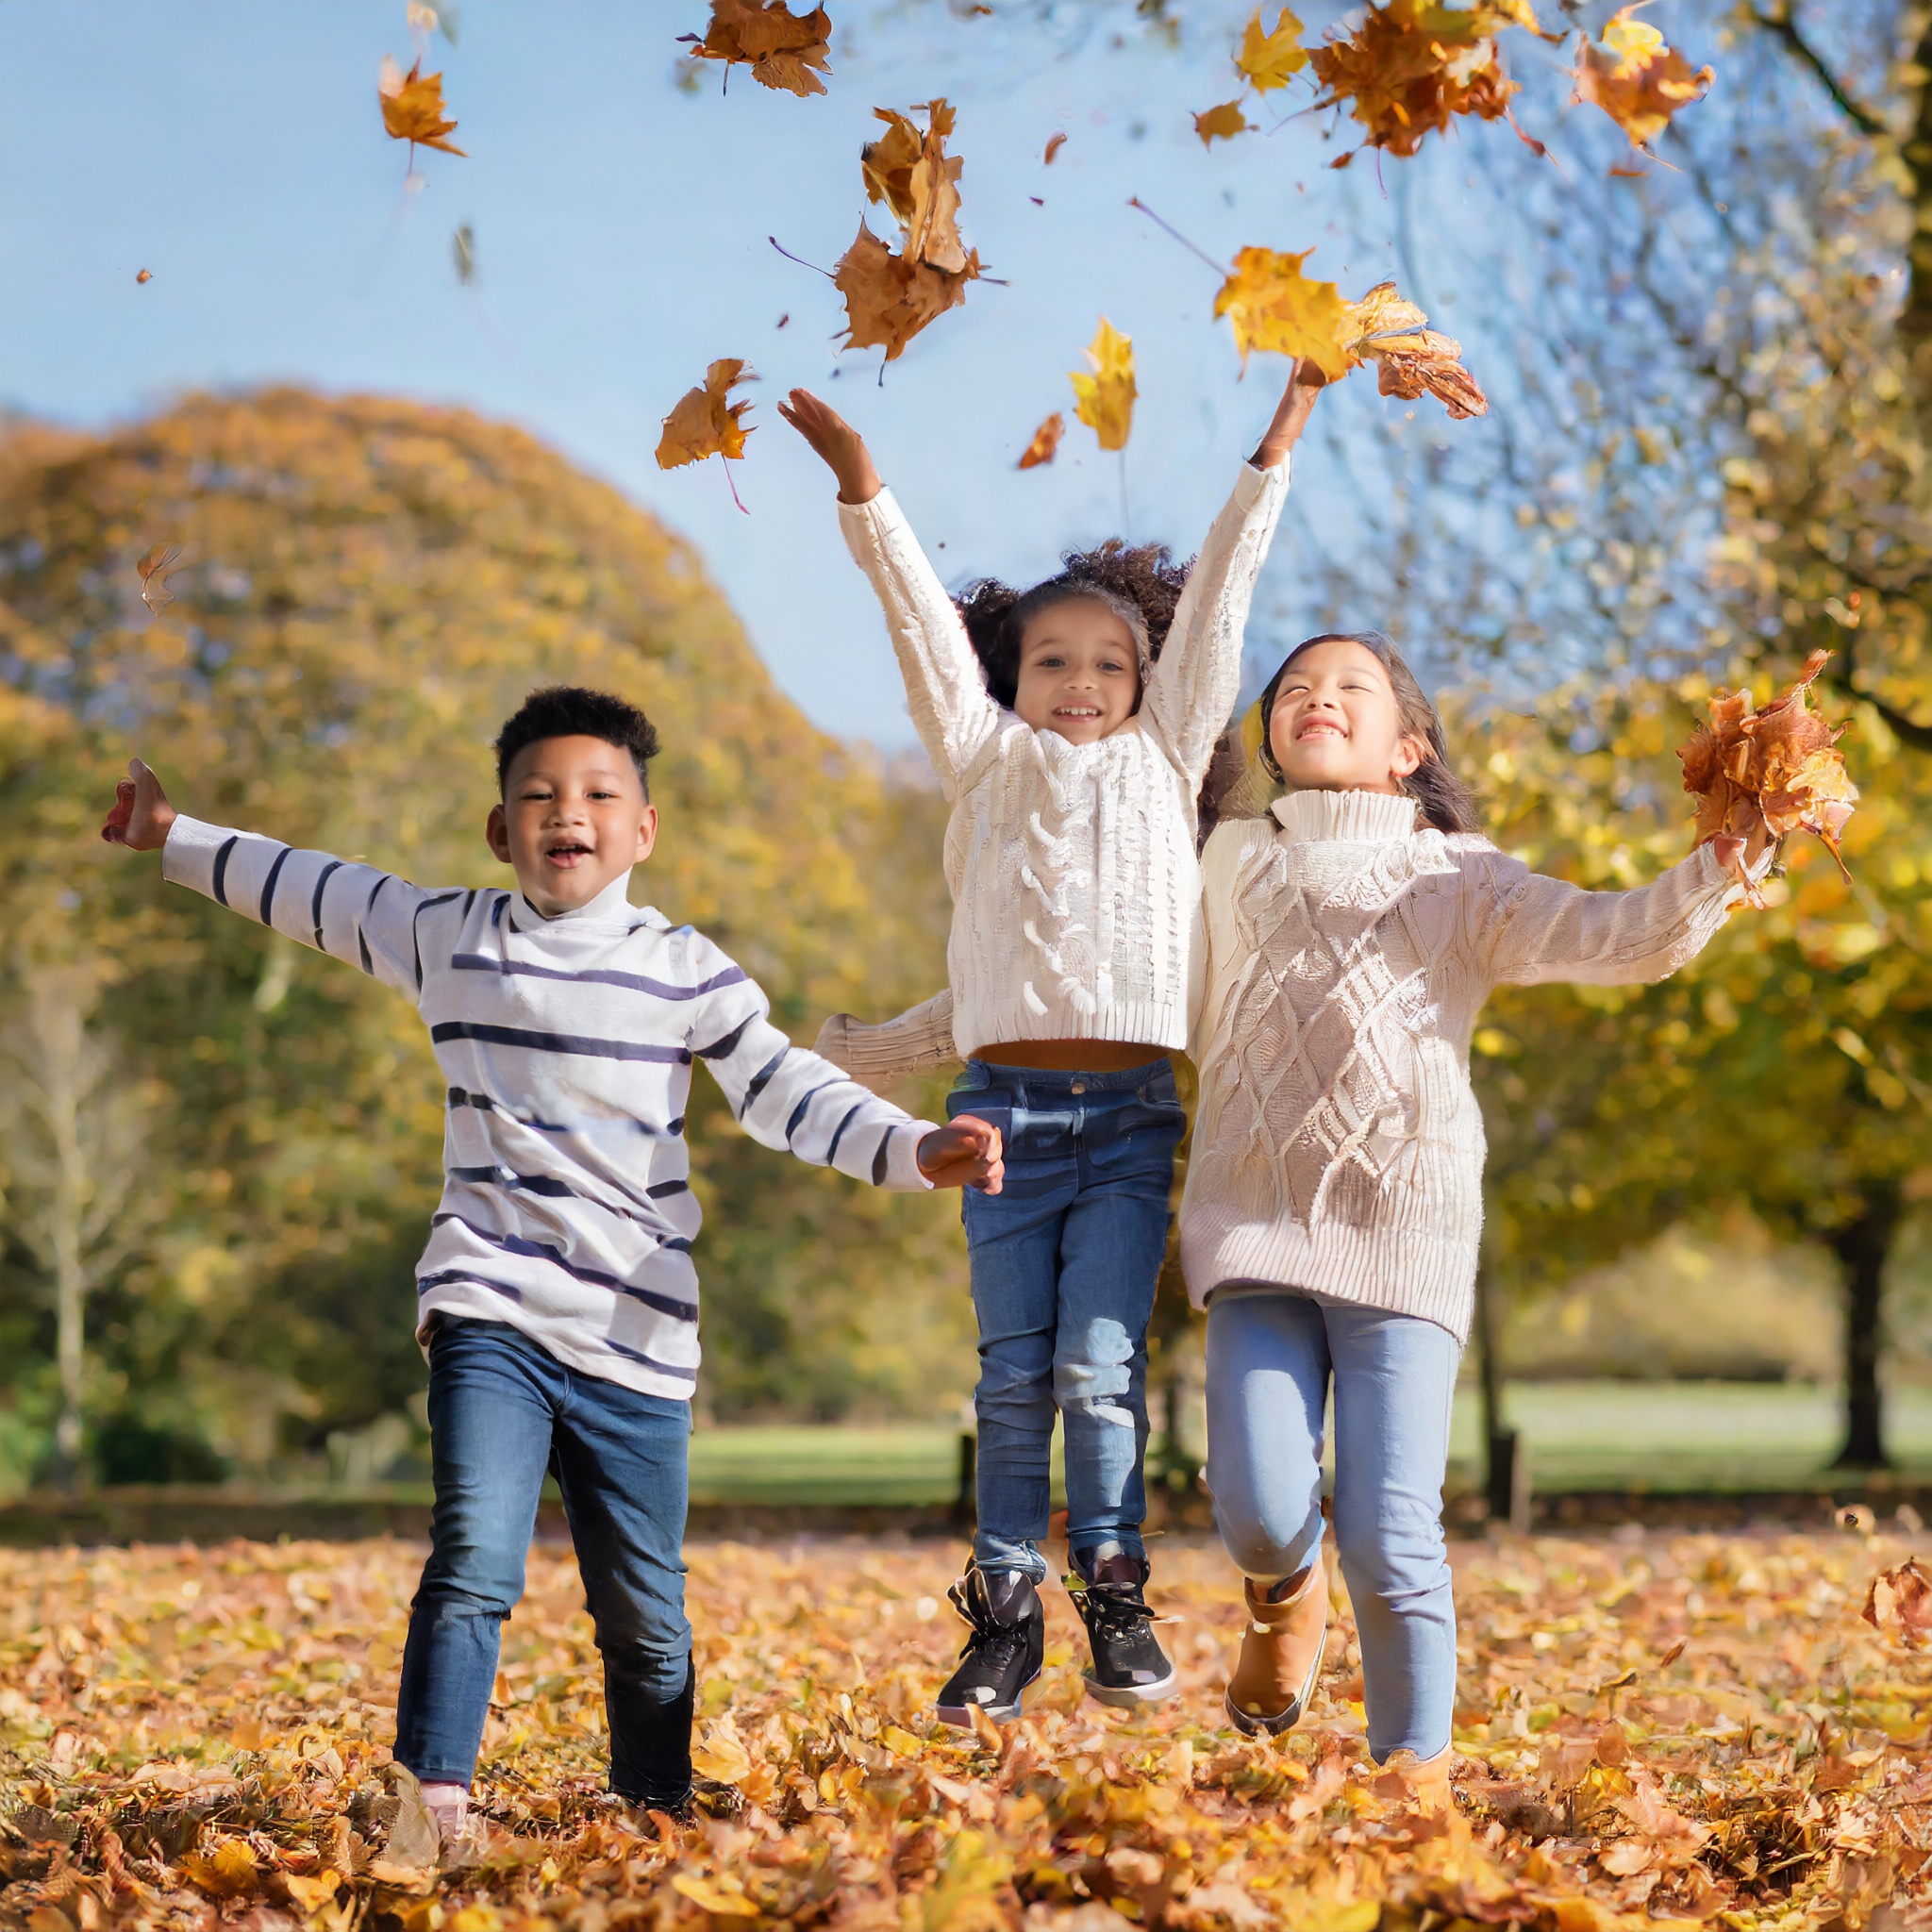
998	1642
1112	1612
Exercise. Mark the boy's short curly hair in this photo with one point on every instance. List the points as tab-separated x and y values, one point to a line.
574	711
1140	584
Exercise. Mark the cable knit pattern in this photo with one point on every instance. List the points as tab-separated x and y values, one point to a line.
1075	889
1338	1145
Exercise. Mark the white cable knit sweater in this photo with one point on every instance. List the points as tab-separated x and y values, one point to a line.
1075	891
1339	1145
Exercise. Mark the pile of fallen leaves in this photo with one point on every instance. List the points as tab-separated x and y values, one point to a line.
1779	767
1650	1730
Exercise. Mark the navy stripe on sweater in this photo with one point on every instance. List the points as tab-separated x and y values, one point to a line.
536	1041
631	982
595	1277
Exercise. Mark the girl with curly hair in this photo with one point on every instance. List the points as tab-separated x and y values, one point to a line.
1070	725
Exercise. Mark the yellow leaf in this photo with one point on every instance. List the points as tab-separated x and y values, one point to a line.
1275	307
702	424
1636	80
713	1897
1269	58
229	1871
721	1754
1104	400
412	106
1221	123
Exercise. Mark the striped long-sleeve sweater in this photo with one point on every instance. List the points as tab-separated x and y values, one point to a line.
567	1045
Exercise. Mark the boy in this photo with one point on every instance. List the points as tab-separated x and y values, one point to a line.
556	1299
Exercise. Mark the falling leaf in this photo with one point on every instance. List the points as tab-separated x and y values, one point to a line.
1221	123
1411	66
1636	80
1779	768
463	247
1278	310
1046	439
782	48
145	275
889	297
154	568
1054	144
1269	58
413	108
703	424
1899	1604
1104	399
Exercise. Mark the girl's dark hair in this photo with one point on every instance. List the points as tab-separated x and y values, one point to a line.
1141	585
1444	800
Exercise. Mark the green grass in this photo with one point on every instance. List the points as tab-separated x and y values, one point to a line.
1681	1436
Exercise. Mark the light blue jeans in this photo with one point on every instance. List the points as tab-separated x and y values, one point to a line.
1065	1259
1272	1356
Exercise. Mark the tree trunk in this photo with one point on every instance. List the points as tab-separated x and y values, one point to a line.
1862	1246
1499	1444
61	1051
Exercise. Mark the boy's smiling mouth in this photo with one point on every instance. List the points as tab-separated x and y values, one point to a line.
567	852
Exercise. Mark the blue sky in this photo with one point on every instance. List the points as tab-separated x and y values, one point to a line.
621	222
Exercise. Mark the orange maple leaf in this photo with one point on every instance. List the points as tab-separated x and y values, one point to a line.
1779	767
413	108
703	424
1411	67
782	48
1222	124
889	298
1636	80
1046	440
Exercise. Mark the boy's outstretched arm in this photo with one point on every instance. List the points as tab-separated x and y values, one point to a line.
945	687
353	912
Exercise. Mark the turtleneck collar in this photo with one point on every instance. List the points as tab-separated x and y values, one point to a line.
611	907
1358	818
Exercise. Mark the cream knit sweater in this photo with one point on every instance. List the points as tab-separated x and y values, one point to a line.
1339	1145
1075	890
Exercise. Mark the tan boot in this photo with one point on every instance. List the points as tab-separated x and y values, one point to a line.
1281	1656
1423	1782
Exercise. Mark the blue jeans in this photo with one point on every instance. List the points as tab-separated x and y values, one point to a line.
1064	1260
503	1411
1272	1355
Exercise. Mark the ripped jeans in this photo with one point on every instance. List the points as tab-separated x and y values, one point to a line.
1064	1259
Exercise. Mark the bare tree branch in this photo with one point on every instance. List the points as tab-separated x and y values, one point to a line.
1782	26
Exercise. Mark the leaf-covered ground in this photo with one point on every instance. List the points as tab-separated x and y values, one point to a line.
1664	1729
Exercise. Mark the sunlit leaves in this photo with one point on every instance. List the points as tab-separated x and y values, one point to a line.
1104	396
890	298
1268	58
1275	307
1046	440
1635	78
1779	767
413	108
785	51
703	423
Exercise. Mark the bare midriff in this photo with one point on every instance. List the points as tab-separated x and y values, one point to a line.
1071	1055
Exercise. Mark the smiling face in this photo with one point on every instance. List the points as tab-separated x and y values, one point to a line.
1335	726
1079	671
573	818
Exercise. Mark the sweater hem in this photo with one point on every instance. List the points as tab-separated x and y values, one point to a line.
1157	1024
1405	1271
477	1304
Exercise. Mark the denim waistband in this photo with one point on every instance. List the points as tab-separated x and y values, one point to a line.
1050	1083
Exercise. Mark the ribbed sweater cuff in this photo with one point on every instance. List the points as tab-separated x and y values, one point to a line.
902	1159
189	857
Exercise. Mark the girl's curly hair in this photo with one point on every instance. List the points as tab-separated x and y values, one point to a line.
1142	585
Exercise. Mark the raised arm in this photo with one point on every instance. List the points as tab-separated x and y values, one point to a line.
353	912
794	1102
945	685
1198	676
1539	928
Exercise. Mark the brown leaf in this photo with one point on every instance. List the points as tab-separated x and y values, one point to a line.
1412	66
413	108
1636	80
1221	123
1046	440
1899	1604
1054	144
145	275
783	49
888	299
911	172
703	424
153	567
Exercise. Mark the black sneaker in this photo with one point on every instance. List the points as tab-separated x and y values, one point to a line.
1129	1666
1003	1654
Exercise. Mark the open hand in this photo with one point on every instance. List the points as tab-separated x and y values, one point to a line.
1305	383
965	1154
142	813
839	445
